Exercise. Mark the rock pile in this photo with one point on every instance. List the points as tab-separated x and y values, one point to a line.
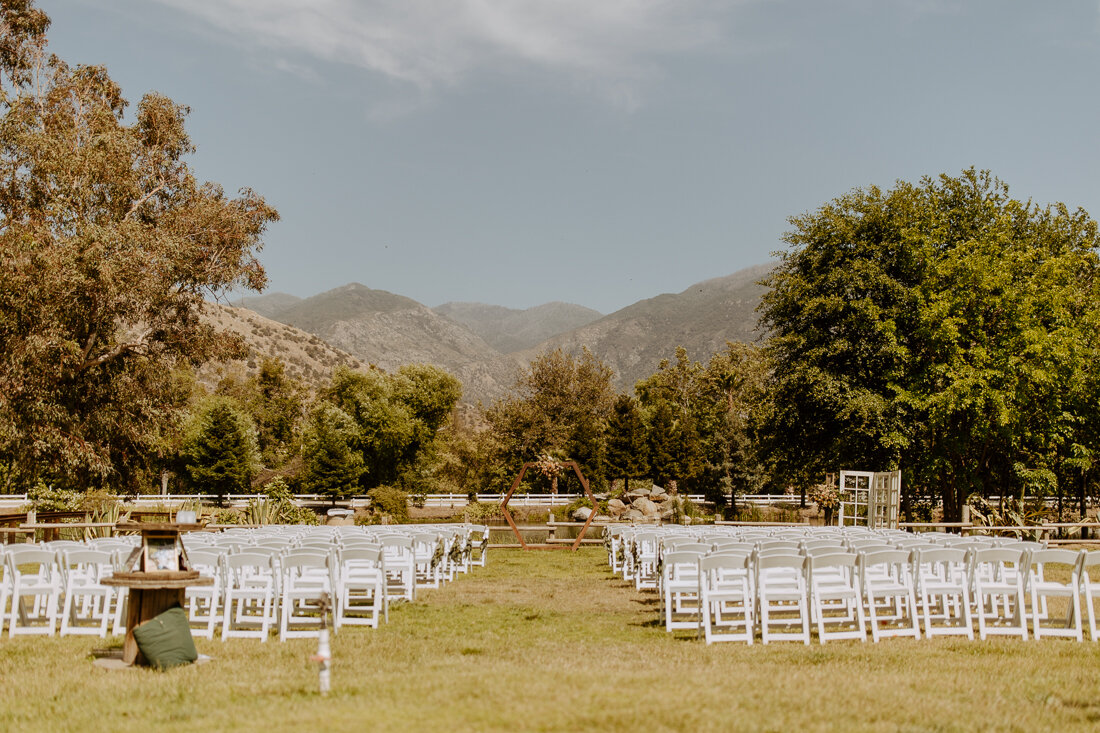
637	505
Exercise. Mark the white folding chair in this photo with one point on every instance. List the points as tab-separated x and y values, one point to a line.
889	593
613	542
680	589
725	597
304	577
780	592
250	600
645	557
5	589
479	545
1090	590
997	580
87	606
35	590
943	583
833	586
400	566
359	582
429	556
204	602
1040	588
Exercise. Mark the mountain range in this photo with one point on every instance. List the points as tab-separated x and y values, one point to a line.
487	346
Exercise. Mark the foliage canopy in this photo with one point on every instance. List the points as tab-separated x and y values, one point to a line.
108	246
943	327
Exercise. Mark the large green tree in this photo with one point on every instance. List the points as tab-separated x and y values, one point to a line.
398	417
943	327
673	399
275	402
560	405
733	406
108	247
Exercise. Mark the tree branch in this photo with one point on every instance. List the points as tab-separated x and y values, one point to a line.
143	199
115	353
88	346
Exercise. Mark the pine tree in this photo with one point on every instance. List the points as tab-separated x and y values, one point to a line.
627	452
219	452
333	461
687	452
661	440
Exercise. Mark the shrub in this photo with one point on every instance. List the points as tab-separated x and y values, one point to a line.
45	498
228	516
477	512
390	500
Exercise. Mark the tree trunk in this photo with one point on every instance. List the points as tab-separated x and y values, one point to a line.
949	495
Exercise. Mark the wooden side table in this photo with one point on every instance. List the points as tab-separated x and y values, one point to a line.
151	593
157	573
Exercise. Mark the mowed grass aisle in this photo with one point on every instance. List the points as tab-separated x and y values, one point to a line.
551	641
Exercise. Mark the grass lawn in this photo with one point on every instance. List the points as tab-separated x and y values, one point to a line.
552	641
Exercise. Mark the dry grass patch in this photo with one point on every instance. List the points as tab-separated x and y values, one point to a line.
552	641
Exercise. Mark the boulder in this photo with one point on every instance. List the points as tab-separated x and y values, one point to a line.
657	491
637	494
615	507
582	514
633	515
645	506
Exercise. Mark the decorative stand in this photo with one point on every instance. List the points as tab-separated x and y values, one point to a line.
515	485
156	574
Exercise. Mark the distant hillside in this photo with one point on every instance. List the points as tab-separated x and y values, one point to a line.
307	358
510	329
632	341
468	339
390	330
267	305
345	303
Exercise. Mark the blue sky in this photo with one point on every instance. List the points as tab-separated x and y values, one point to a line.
595	151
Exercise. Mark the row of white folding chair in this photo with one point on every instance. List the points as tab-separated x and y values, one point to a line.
833	591
457	540
778	595
255	590
949	581
52	585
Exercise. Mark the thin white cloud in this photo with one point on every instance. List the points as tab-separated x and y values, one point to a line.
611	45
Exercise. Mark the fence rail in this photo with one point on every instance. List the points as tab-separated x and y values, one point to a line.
10	501
16	501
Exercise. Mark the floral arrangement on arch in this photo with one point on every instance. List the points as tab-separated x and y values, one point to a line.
827	497
548	466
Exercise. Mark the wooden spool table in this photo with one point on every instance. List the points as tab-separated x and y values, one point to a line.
151	594
153	590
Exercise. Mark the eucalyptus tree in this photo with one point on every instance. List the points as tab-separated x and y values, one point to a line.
559	405
108	247
397	418
944	327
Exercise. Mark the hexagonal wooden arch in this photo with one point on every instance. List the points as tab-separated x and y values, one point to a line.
587	490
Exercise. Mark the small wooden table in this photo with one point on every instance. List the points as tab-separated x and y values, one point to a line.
152	590
151	594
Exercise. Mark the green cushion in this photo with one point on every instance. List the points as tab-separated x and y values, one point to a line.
165	640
